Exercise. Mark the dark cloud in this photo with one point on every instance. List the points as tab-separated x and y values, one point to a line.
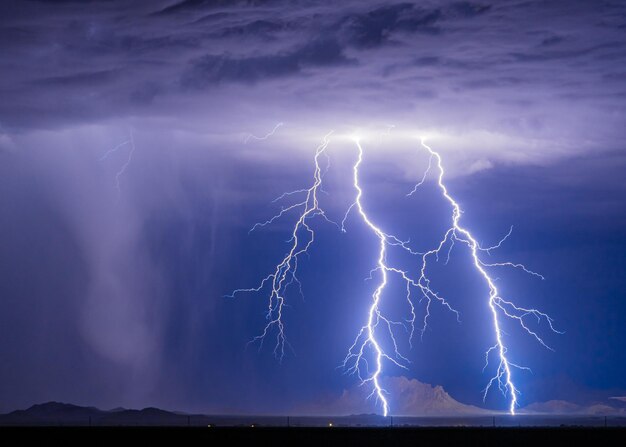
595	51
552	40
468	9
128	57
145	93
256	29
215	16
193	5
210	70
79	79
189	4
377	26
53	2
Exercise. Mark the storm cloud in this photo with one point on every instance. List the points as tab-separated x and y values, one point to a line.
529	71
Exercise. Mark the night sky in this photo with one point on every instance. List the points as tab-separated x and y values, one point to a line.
129	183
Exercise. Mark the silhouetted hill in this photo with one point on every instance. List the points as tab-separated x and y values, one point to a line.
56	413
52	413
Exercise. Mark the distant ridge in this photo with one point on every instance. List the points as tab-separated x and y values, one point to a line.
422	401
562	407
58	413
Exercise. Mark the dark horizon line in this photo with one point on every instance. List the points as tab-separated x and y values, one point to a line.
486	413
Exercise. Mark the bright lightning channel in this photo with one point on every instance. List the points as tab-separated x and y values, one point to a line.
498	305
302	237
368	337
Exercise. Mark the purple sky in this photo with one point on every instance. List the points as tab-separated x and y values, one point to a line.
115	297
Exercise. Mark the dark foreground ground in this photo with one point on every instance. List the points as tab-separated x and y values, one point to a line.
321	437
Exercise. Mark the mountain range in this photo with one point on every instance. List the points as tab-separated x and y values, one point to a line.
416	400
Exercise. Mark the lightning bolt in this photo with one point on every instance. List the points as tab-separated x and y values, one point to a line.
368	337
264	137
376	341
113	150
497	305
130	142
302	237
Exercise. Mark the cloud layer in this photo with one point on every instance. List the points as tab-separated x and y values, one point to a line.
535	73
